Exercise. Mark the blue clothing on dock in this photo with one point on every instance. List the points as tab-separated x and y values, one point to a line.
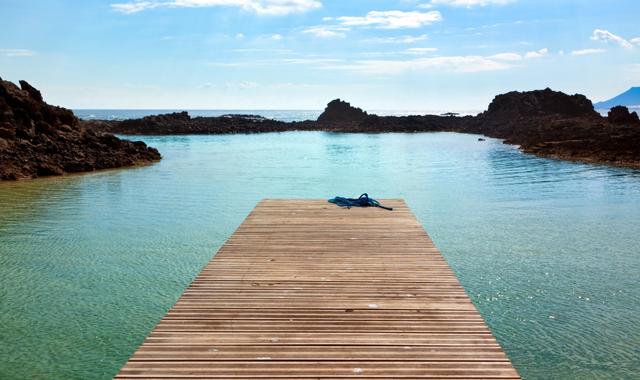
362	201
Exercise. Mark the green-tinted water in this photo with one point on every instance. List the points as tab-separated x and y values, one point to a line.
549	251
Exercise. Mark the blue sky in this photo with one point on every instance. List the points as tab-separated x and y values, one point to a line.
299	54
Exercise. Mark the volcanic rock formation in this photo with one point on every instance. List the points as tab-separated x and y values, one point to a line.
37	139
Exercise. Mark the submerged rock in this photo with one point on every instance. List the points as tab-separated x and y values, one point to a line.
37	139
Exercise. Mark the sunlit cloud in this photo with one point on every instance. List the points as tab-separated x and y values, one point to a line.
462	64
328	31
422	50
261	7
407	39
587	52
392	19
506	57
17	52
465	3
606	36
537	54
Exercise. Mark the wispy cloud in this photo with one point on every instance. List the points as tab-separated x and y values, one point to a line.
506	57
243	85
314	61
327	31
17	52
392	19
311	61
339	26
263	50
433	63
587	52
262	7
463	64
422	50
407	39
537	54
465	3
607	36
513	57
460	64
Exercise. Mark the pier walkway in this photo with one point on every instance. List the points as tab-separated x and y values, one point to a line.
307	290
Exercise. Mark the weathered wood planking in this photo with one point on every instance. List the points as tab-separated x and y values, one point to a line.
307	290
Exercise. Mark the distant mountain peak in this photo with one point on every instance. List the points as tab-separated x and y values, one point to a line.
629	98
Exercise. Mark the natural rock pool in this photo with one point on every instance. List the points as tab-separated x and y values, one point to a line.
549	251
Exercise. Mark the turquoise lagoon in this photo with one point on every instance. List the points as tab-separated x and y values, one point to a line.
549	251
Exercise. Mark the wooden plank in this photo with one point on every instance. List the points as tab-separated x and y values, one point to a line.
306	290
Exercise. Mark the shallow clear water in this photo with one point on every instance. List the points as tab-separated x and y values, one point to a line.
548	250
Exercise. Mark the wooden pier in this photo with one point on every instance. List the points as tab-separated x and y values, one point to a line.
307	290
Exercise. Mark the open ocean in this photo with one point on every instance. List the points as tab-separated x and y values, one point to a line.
283	115
547	250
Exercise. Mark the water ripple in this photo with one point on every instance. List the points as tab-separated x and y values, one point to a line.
546	249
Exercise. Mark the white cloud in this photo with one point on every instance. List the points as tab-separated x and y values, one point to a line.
276	37
246	84
465	3
328	31
312	61
398	40
239	35
421	50
134	7
395	65
635	41
506	57
607	36
262	7
17	52
587	52
392	19
463	64
537	54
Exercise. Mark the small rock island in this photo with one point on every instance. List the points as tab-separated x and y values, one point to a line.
37	139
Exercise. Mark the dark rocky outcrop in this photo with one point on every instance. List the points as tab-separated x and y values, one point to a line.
37	139
180	123
538	103
543	122
339	111
553	124
621	115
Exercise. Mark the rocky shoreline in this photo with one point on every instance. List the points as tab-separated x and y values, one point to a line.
37	139
542	122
